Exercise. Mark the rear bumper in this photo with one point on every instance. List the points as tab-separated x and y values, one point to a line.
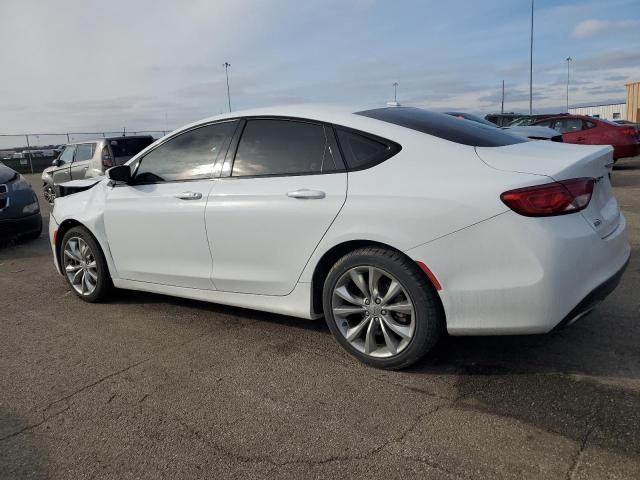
17	227
513	275
623	151
593	299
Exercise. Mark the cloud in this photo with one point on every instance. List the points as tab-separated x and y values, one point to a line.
591	28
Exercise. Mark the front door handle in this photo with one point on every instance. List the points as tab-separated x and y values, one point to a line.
306	194
189	196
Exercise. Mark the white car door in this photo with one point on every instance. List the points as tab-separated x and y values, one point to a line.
155	225
280	190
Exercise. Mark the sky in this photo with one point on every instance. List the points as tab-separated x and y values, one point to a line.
107	65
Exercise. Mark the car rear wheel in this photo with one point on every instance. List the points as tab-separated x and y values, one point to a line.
84	265
380	307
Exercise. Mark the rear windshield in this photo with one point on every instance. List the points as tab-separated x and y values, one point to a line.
444	126
128	147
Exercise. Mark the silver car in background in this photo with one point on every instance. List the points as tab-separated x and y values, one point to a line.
524	131
90	159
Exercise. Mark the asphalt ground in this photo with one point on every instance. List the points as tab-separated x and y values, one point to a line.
148	386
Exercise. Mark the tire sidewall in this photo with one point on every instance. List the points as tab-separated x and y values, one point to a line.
427	318
103	283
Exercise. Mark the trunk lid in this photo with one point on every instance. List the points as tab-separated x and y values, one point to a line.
560	161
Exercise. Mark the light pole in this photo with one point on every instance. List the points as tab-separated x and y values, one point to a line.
395	92
531	65
226	66
568	68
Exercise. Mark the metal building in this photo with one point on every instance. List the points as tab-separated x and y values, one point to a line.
611	111
633	102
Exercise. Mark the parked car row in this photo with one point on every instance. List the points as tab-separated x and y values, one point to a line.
530	132
623	136
19	208
90	159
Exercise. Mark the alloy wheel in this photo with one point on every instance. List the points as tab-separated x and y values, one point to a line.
373	311
49	194
80	266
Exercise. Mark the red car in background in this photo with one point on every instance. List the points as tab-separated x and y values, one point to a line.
584	130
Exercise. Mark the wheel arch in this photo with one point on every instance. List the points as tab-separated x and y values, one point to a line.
331	256
63	228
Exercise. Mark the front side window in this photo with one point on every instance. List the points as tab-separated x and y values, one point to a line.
284	147
188	156
84	151
67	155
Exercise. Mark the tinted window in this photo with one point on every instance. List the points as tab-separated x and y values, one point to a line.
281	147
128	147
67	154
586	125
444	126
189	156
545	123
363	151
568	125
84	151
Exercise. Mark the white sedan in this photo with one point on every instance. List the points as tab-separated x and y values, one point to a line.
395	224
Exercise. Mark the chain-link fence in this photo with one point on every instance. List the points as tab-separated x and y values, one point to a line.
33	152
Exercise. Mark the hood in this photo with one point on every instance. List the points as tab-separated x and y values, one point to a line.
75	186
6	174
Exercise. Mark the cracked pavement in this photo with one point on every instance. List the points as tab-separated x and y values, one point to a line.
147	386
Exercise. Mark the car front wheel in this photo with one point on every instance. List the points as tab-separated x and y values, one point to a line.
84	265
381	308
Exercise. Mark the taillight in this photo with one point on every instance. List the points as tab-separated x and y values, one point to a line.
107	159
557	198
629	131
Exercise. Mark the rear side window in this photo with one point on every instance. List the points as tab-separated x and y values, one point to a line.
84	151
363	151
568	125
188	156
444	126
284	147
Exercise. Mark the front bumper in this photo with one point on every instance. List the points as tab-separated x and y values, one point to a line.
53	231
17	227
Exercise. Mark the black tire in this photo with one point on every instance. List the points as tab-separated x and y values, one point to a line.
104	284
33	235
429	317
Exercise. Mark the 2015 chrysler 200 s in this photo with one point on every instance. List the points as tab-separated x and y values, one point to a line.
393	223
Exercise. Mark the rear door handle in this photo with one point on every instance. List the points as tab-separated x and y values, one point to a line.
306	194
189	196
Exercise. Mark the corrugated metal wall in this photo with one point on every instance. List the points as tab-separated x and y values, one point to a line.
615	111
633	102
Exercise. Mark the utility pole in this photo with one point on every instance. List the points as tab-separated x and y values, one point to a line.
569	59
502	102
395	92
531	66
226	66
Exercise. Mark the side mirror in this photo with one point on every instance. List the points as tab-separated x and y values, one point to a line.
121	173
56	162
